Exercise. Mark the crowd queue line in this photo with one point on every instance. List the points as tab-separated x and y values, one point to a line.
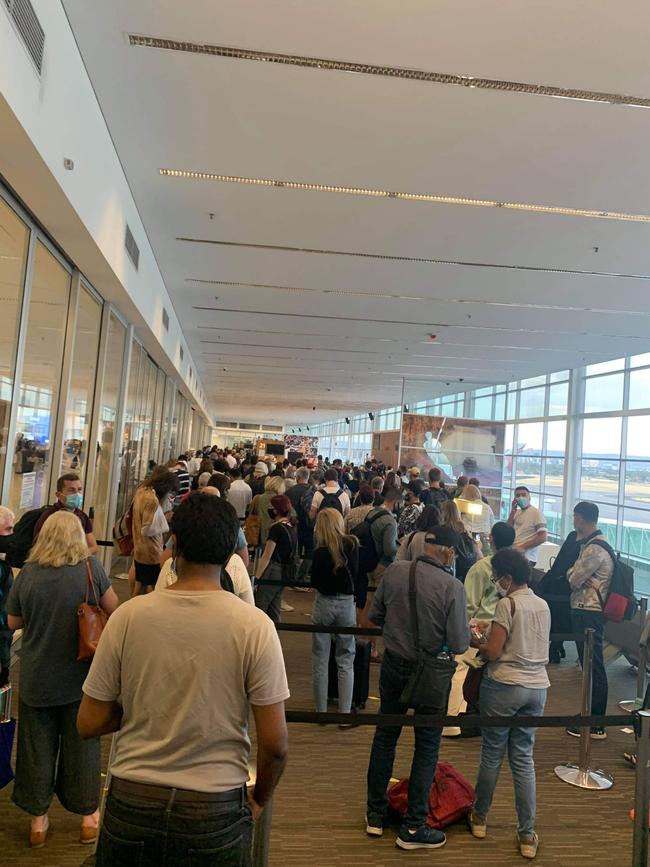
181	759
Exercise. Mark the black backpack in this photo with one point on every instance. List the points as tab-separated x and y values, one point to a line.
620	585
331	501
304	522
23	537
368	554
465	556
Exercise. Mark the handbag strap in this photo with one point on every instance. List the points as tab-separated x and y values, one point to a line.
413	608
90	584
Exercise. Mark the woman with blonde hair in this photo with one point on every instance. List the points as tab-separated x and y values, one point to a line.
468	551
52	758
477	516
334	570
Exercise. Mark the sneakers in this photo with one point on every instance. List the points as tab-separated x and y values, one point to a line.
285	607
451	732
597	734
374	825
421	838
477	826
528	845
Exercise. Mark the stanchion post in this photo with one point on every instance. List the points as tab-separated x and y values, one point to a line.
641	794
581	775
637	702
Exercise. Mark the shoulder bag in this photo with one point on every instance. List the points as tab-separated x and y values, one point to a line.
430	683
253	524
92	620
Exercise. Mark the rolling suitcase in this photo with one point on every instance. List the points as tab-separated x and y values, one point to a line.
361	686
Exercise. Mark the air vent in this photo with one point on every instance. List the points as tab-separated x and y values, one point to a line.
132	248
182	354
274	427
165	319
230	424
29	29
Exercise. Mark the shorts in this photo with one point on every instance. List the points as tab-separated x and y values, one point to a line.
147	573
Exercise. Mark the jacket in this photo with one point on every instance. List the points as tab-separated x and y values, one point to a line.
593	566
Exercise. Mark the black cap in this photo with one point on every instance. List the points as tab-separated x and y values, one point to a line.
444	536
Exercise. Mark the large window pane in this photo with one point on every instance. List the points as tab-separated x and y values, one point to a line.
638	436
556	438
640	360
558	397
129	446
531	403
637	484
599	483
530	438
601	438
554	477
482	407
640	389
606	366
82	385
14	240
529	471
39	389
106	426
635	544
604	393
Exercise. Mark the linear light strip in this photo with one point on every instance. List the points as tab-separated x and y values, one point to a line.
291	333
403	72
308	316
409	197
370	294
283	248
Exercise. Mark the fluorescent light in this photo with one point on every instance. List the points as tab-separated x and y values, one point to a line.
187	174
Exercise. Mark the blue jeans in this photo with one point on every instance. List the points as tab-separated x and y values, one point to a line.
148	833
395	672
505	699
338	610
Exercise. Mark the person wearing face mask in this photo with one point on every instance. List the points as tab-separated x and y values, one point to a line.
69	496
515	682
529	524
442	624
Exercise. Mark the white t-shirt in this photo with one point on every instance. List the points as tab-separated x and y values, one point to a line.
231	461
186	666
528	522
331	488
236	569
525	652
239	496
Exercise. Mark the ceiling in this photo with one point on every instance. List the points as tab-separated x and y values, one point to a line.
288	327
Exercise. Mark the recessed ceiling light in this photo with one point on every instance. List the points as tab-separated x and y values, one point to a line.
432	198
327	64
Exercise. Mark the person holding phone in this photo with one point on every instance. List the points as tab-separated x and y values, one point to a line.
529	524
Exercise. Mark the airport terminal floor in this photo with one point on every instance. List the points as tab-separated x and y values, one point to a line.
319	806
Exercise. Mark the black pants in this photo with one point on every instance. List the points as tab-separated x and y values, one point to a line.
5	658
581	620
53	759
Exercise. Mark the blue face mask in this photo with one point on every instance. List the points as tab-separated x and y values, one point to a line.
523	502
73	501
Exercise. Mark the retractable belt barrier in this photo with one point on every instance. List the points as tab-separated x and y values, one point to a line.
362	630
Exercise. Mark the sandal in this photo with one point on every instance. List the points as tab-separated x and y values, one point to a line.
630	758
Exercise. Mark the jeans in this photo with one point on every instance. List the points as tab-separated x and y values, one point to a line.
305	550
395	672
506	699
139	832
581	620
338	610
53	759
269	599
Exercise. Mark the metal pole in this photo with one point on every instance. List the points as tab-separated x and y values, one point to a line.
581	775
641	794
637	703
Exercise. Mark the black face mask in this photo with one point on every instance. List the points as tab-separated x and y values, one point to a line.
271	513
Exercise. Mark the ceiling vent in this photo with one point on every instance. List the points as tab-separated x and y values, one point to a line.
230	424
165	319
182	354
132	248
29	29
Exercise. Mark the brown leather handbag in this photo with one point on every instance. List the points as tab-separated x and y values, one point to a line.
92	620
253	524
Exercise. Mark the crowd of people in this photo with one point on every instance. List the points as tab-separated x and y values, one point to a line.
366	541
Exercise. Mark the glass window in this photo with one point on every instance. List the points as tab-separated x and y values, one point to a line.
638	436
604	393
531	403
560	376
482	407
554	476
106	427
599	482
558	398
601	438
535	380
529	472
640	389
14	240
640	360
637	484
500	406
39	389
129	446
82	385
606	366
556	438
529	438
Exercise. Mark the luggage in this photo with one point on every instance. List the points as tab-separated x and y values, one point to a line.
331	501
451	797
620	603
361	686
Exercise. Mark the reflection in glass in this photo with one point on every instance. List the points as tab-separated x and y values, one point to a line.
39	389
14	240
82	385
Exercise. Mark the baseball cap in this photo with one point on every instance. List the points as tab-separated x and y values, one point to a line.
444	536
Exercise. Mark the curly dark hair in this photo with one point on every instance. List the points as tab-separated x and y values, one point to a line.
206	529
163	481
509	562
428	518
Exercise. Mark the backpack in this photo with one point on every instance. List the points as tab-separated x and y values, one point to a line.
304	509
331	501
465	556
123	533
23	537
290	566
368	554
451	797
620	603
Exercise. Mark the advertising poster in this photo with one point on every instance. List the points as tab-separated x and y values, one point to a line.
459	446
303	445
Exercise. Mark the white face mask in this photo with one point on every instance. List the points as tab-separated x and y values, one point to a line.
501	590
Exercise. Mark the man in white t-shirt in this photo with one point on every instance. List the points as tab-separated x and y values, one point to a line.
176	673
239	493
231	460
330	493
529	524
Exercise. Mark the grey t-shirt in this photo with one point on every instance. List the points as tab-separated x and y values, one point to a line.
525	652
48	598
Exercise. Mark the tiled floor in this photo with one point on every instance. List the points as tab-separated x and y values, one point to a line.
319	806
